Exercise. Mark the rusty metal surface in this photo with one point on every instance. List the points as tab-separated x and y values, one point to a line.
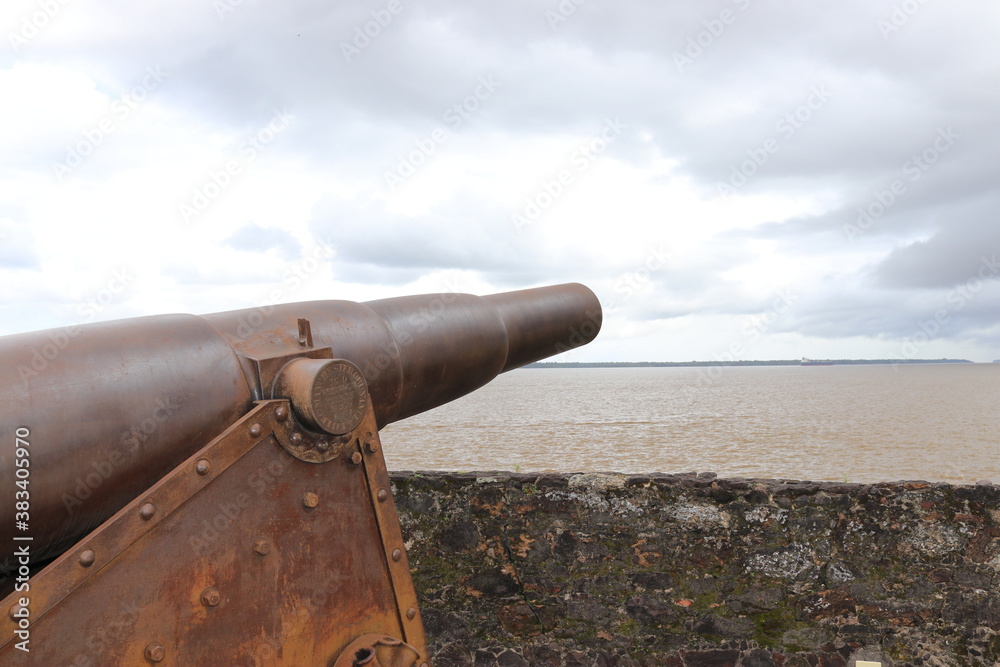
113	406
545	321
243	555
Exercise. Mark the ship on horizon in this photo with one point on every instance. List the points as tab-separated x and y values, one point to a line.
810	362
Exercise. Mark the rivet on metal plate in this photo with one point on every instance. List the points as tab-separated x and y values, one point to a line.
14	611
295	438
211	597
396	554
262	547
256	430
147	511
411	613
356	458
87	557
382	495
281	413
310	499
203	467
155	652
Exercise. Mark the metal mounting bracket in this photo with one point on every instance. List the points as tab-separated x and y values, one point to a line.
242	555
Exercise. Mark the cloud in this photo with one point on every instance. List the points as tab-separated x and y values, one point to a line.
845	153
254	238
963	248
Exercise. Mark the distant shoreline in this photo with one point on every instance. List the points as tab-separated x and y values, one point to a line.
773	362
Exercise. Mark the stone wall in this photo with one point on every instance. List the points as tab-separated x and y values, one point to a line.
690	570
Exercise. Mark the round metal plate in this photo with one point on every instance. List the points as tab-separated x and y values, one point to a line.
339	397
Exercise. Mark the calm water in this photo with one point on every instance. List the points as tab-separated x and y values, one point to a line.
862	423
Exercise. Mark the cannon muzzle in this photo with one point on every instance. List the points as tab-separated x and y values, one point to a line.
108	408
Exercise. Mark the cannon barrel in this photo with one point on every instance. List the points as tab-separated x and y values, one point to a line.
107	408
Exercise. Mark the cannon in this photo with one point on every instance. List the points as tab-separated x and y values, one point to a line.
194	490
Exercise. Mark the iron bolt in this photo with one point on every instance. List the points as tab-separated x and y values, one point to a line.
155	652
262	547
281	413
256	430
396	554
203	467
371	446
211	597
310	499
382	495
87	557
14	610
356	458
147	511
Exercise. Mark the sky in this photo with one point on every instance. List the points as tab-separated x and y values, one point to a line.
735	179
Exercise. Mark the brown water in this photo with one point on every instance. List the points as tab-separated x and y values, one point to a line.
859	423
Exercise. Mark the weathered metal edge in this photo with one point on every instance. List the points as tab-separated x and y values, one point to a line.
93	553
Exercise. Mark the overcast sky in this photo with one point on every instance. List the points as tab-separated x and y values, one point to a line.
734	179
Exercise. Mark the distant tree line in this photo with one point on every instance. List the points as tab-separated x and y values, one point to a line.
753	362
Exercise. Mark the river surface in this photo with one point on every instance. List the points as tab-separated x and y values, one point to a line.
935	422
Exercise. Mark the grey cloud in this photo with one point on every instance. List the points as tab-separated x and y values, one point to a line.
373	244
964	251
254	238
884	100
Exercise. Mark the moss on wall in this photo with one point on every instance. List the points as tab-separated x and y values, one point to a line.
607	569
